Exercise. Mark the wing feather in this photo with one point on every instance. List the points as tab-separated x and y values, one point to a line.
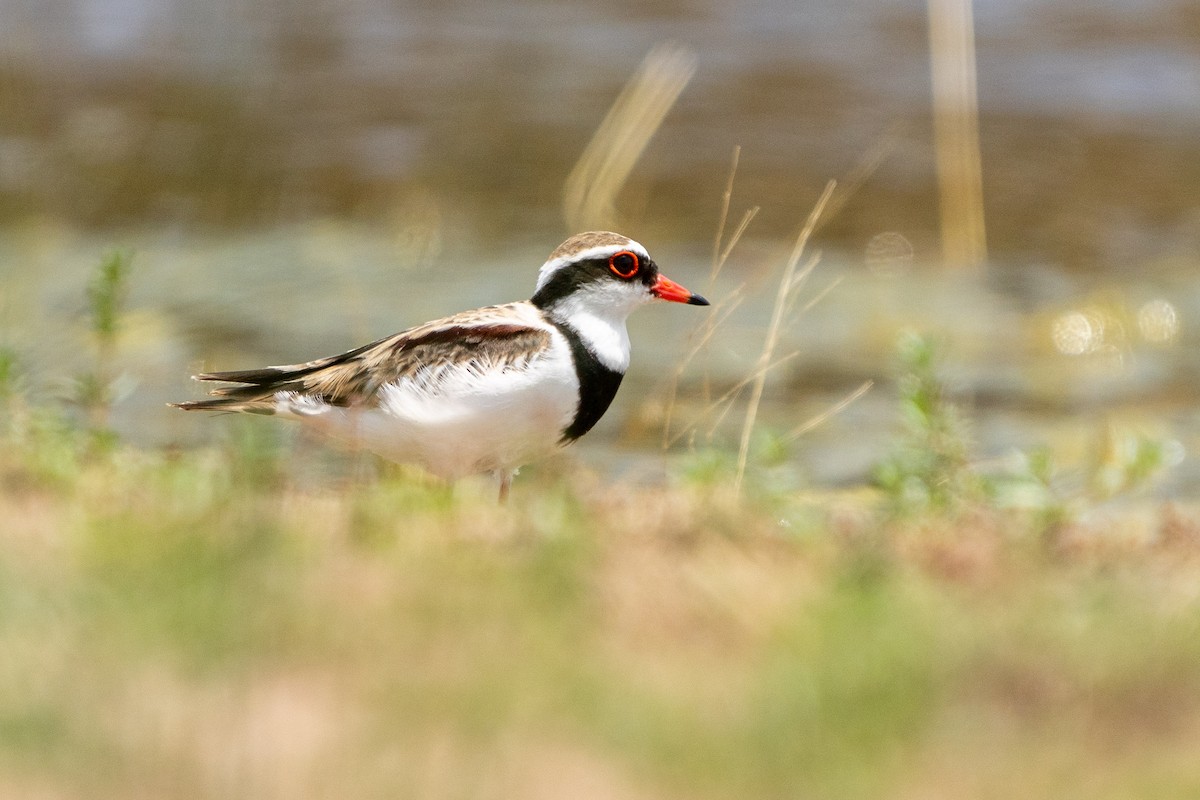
481	340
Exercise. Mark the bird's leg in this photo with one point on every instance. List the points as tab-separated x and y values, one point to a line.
506	476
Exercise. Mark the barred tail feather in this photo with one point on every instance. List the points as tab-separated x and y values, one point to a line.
262	406
256	395
259	377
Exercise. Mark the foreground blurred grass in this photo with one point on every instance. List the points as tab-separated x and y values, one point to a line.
210	625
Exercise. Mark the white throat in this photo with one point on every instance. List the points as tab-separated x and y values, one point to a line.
598	316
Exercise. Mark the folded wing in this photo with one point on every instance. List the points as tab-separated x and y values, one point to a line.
478	341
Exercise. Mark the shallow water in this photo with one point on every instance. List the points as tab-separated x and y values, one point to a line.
465	119
1022	360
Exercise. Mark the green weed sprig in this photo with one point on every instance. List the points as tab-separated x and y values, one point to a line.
106	294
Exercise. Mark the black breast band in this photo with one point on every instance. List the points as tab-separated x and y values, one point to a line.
597	384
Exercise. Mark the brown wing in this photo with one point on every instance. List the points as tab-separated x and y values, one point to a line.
483	339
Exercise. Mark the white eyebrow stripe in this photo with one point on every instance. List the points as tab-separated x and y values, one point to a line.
555	264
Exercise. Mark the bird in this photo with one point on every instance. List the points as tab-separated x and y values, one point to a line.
487	390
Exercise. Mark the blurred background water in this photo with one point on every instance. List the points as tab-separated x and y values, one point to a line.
296	177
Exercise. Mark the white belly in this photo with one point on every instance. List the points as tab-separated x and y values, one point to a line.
462	423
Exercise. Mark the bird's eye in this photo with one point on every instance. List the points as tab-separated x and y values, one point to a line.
624	264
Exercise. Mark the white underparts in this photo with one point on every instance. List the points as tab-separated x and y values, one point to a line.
458	420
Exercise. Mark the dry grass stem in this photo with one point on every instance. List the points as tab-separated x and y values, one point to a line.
829	413
788	284
733	240
863	170
956	132
730	394
721	253
723	218
818	297
798	280
703	335
589	198
720	418
721	310
827	206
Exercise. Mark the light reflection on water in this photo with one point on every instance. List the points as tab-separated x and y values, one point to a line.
229	303
1158	321
1097	329
889	254
1076	333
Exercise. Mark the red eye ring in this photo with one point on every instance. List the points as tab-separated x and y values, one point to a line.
624	264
